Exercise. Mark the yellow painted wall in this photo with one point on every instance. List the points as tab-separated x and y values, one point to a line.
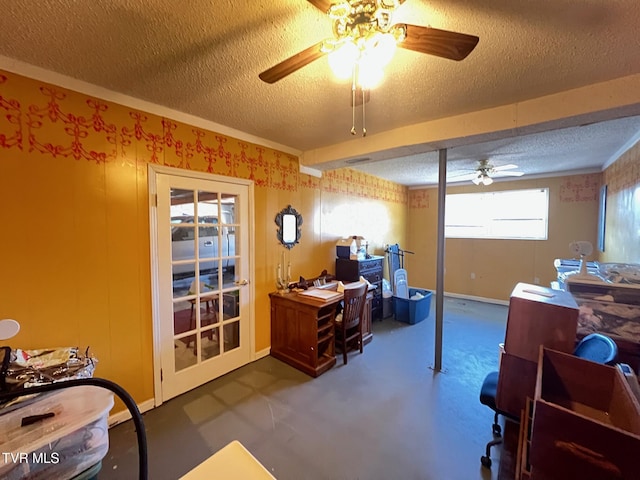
622	230
499	264
74	244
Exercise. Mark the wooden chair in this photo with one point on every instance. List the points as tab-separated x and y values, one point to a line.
349	328
211	316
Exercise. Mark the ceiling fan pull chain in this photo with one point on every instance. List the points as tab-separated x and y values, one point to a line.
364	128
353	103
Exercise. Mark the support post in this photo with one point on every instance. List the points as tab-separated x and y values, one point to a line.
442	192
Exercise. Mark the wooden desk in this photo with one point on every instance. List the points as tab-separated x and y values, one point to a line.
302	332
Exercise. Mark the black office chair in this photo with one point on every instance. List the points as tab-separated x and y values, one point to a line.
488	393
595	347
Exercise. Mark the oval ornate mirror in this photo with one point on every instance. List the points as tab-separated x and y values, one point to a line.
289	221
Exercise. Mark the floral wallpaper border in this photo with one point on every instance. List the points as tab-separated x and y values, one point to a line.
624	174
420	198
63	124
580	188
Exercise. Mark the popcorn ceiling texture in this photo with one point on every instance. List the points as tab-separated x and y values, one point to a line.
204	58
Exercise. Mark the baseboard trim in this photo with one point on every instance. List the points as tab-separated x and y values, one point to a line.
263	353
125	415
477	299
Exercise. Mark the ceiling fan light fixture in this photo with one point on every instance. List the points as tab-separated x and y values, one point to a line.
339	10
366	58
482	178
383	19
369	75
390	4
342	60
380	48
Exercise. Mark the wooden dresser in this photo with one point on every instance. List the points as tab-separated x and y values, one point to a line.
302	331
371	269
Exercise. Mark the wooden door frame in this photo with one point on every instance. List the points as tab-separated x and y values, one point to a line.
152	172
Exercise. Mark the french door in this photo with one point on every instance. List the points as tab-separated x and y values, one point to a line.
202	295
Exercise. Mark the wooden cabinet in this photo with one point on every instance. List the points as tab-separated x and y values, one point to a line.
578	418
523	467
585	422
516	382
302	331
537	316
540	316
371	269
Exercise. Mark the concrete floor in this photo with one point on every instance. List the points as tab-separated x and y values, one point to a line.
385	415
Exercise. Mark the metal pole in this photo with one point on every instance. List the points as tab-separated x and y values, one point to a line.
442	192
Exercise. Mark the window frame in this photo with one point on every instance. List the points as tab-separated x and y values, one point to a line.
474	214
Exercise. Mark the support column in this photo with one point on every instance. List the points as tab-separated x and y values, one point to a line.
442	192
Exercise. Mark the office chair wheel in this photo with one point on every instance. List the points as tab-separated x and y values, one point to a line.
497	430
485	461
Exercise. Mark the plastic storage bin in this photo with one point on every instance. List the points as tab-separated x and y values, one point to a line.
387	304
64	445
412	311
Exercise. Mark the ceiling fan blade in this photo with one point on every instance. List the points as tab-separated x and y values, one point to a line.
511	174
292	64
462	177
466	171
323	5
505	167
441	43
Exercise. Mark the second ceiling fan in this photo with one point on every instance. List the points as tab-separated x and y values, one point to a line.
363	28
485	172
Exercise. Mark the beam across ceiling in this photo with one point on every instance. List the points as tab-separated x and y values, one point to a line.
593	103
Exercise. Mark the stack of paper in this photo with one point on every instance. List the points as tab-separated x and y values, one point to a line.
320	294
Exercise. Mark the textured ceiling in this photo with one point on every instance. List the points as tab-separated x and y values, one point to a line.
203	58
584	149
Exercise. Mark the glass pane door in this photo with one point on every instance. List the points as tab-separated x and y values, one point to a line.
203	246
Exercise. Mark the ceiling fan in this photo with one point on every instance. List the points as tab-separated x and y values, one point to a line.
485	172
367	25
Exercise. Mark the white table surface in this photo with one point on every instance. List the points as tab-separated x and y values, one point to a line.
233	462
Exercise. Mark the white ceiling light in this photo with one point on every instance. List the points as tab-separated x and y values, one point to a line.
483	179
364	44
